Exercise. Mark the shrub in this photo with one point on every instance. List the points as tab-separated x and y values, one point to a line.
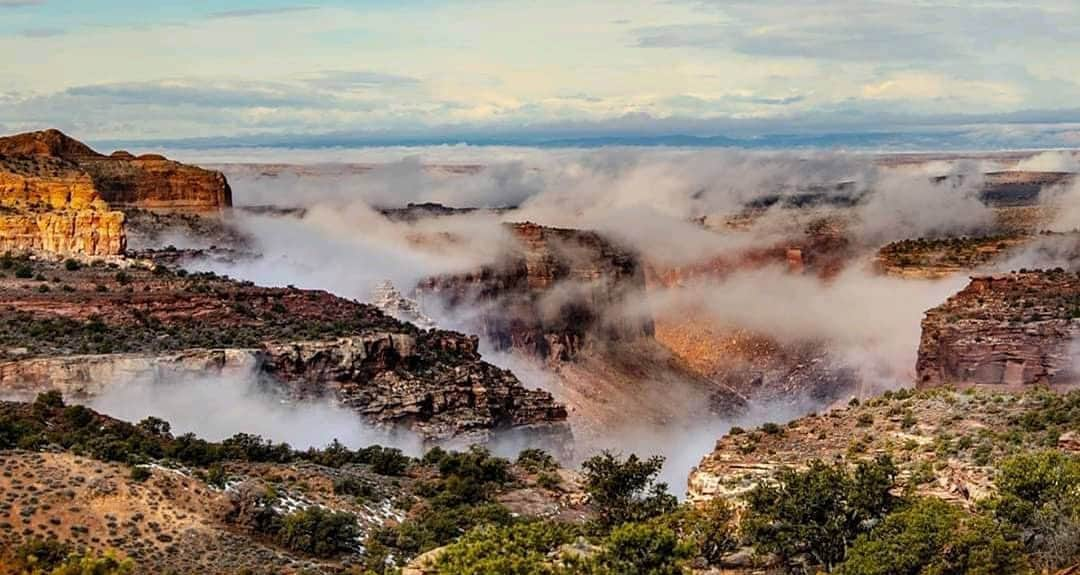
389	461
626	490
353	486
24	271
522	548
644	548
456	502
709	530
1038	497
535	460
39	557
819	510
548	480
140	474
433	456
932	536
122	278
319	532
471	476
216	476
155	426
72	265
771	428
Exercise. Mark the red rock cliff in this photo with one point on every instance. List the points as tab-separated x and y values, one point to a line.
1008	332
123	180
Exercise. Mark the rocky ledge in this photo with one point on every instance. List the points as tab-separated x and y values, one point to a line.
944	442
1008	332
77	330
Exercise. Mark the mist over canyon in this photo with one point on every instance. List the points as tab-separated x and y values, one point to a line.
406	342
712	230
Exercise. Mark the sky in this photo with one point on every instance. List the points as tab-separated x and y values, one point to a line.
960	73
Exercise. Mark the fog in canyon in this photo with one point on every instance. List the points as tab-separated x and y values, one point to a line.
668	205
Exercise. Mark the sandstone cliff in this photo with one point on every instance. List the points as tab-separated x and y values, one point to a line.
48	205
124	180
1008	332
556	296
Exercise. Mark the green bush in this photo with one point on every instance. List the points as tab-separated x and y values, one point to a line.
353	487
548	480
771	428
820	510
709	530
216	476
1039	496
319	532
140	474
642	548
24	271
51	557
536	460
522	548
934	537
622	491
72	265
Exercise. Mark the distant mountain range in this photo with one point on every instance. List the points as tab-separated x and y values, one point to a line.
928	140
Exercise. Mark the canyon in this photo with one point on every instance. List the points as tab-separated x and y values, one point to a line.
555	298
578	347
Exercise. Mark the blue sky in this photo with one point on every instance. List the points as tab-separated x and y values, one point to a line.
996	72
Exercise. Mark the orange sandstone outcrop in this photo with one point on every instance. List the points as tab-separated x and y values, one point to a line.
82	232
123	180
48	205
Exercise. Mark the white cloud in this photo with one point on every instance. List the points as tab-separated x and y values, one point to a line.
392	68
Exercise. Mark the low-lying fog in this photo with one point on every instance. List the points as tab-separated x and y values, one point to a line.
217	406
650	199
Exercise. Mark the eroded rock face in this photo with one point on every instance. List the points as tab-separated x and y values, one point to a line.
154	182
393	303
123	180
1009	332
82	377
394	378
48	205
551	298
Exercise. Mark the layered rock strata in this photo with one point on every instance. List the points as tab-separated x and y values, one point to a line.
1008	332
47	205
